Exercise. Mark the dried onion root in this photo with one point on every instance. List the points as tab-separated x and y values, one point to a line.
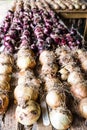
27	92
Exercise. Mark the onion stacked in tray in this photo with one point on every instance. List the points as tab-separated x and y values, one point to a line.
36	33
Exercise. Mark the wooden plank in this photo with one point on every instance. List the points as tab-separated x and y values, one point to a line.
73	15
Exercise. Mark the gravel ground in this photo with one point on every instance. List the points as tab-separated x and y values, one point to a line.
4	6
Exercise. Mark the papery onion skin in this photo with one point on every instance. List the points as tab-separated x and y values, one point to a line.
46	57
75	77
5	77
4	102
6	59
83	107
79	90
5	68
49	69
55	99
4	86
28	114
26	62
61	118
22	93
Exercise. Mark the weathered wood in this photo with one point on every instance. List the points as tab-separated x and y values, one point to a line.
74	15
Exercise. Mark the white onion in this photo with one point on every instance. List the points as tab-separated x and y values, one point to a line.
47	57
25	62
6	59
25	52
23	93
49	69
5	69
83	107
5	77
55	99
79	90
75	77
51	82
61	118
29	114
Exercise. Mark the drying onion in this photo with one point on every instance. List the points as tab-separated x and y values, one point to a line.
79	90
5	68
5	78
61	118
4	101
49	69
83	107
63	71
46	57
51	82
55	99
6	59
25	52
4	86
22	93
25	62
28	114
75	77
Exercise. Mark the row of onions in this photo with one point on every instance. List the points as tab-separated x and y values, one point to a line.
34	31
60	116
27	91
71	72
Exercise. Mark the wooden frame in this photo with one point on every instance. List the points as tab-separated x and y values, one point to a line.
75	15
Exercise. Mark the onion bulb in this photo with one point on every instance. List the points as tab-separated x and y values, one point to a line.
64	76
25	62
63	71
61	118
84	65
82	56
5	68
25	52
5	77
55	99
6	59
49	68
4	86
51	82
79	90
4	101
83	107
75	77
47	57
23	93
28	114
